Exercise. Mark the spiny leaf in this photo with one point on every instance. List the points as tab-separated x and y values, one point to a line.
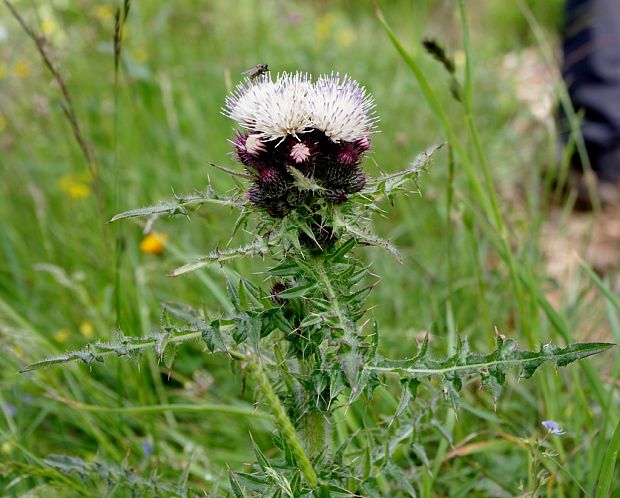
234	484
180	203
304	182
121	477
492	367
341	251
365	237
387	184
257	248
299	291
124	346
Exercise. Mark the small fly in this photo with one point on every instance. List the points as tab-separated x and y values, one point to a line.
257	71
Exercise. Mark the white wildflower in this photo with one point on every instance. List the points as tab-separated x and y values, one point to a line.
291	105
342	109
271	109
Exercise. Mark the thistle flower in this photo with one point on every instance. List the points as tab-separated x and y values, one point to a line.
275	290
341	109
322	129
272	109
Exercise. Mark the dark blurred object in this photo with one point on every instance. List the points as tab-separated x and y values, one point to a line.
591	71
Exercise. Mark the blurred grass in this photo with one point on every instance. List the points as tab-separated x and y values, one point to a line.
156	136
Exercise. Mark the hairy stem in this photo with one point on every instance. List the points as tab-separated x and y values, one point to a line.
314	425
315	431
282	419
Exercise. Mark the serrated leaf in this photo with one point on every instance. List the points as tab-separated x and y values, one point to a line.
387	184
494	365
298	291
181	203
287	269
403	403
212	336
262	461
234	485
341	251
125	346
257	248
304	182
312	319
367	238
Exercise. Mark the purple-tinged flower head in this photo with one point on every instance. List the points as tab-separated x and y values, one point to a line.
553	427
349	153
275	290
300	152
364	143
273	181
248	148
322	129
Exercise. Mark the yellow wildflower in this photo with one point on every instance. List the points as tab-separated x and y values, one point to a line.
48	26
21	68
324	26
154	243
104	12
87	329
6	447
73	188
62	335
140	55
346	37
459	58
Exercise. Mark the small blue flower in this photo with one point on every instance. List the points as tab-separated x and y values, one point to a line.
147	448
9	409
553	427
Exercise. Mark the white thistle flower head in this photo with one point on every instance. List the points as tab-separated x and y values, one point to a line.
292	104
341	109
272	109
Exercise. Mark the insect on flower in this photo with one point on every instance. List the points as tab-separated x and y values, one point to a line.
320	128
257	71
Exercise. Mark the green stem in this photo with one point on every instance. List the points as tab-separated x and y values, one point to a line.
314	425
282	420
345	322
315	432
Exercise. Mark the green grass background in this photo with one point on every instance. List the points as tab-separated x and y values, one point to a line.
63	271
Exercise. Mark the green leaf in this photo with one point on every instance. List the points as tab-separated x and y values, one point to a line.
180	203
257	248
387	184
304	182
341	251
367	238
287	269
299	291
212	336
260	457
234	485
124	346
606	477
495	364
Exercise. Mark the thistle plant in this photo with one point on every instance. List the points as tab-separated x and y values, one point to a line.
304	334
